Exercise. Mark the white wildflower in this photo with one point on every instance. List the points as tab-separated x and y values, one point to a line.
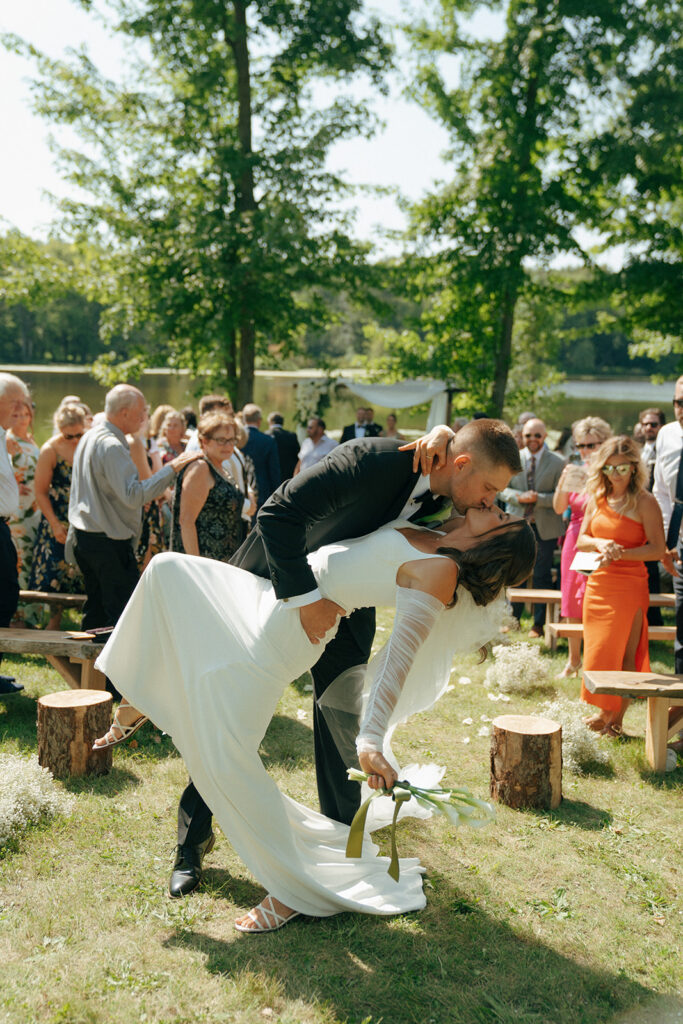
484	718
28	794
517	668
484	731
580	746
464	680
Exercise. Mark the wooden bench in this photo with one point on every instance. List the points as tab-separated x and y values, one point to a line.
550	598
662	692
73	659
567	629
47	597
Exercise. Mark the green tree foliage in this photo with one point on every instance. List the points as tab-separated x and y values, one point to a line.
520	124
635	162
206	171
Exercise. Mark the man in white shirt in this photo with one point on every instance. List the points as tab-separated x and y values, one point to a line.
13	392
315	446
669	447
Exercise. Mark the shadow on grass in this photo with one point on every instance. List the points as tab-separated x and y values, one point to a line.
304	685
287	741
577	813
18	715
111	785
443	964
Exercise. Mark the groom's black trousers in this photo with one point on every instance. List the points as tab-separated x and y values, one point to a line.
339	798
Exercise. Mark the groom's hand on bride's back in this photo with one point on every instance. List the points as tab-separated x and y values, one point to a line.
430	450
318	617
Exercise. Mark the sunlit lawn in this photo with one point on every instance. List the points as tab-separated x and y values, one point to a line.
571	916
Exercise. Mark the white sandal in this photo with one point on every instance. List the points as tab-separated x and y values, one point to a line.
126	731
273	919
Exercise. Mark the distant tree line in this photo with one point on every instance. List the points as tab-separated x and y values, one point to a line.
214	237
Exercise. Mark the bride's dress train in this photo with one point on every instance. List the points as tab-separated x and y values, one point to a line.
205	649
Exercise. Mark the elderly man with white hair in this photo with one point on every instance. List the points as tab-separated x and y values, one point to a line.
105	507
13	392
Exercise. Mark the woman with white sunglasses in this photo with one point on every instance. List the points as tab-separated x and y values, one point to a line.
623	526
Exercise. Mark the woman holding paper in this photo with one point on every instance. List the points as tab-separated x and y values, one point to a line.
623	526
588	434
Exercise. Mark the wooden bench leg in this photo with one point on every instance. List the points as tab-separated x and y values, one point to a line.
657	732
91	677
66	669
551	615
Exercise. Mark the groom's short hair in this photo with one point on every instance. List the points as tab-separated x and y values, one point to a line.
487	440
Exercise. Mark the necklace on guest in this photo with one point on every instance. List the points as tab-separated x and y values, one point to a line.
619	505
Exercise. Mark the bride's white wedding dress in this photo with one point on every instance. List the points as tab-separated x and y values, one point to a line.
205	649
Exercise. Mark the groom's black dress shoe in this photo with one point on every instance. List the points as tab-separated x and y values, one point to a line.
7	686
187	869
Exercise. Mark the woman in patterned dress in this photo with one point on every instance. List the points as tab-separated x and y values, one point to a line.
207	503
23	452
50	571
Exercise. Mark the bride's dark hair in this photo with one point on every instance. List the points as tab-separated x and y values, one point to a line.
505	558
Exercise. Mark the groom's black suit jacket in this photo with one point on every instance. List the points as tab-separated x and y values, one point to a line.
355	489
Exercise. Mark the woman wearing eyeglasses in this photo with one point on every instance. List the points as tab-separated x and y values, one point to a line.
623	525
207	502
49	570
588	434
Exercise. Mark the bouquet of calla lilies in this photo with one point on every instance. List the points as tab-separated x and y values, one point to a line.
458	805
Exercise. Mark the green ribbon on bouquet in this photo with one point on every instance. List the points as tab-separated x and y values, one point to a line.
458	805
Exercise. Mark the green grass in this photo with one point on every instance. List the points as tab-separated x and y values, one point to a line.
569	917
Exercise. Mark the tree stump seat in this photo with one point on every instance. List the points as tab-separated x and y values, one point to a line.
69	722
526	761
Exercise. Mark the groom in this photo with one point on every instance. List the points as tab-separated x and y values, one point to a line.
356	489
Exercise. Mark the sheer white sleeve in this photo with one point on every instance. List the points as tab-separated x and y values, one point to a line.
416	614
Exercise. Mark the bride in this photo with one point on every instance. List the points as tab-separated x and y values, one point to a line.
205	650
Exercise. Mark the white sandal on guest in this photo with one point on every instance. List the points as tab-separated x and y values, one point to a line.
273	919
126	731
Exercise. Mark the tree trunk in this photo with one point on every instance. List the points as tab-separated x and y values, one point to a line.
504	351
244	196
526	761
68	724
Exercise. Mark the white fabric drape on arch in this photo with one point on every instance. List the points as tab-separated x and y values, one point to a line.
403	395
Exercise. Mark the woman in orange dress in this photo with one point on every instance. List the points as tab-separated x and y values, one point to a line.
623	526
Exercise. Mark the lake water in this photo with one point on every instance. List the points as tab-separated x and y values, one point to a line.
618	402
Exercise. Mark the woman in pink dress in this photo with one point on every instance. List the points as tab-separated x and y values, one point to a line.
588	434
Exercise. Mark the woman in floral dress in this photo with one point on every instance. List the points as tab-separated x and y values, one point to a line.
50	571
23	452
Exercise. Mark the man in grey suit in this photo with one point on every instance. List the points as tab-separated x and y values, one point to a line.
530	493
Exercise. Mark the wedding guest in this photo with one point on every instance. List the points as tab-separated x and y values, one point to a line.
262	450
316	445
531	494
170	436
287	444
146	455
13	392
207	503
588	434
391	429
651	421
107	497
50	571
23	452
623	526
157	418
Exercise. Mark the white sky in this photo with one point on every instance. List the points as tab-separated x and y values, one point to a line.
405	155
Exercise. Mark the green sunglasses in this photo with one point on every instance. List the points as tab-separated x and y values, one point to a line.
622	470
